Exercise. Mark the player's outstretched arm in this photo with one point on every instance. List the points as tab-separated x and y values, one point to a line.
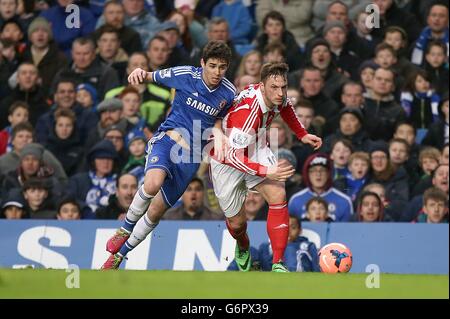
139	76
314	141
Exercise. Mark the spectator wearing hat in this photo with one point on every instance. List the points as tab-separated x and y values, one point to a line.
94	187
395	181
114	15
117	136
110	113
318	181
274	30
136	161
87	68
13	205
65	98
43	52
366	73
68	209
381	111
335	33
118	203
192	207
64	36
39	204
438	133
351	128
64	141
22	135
87	96
31	166
28	90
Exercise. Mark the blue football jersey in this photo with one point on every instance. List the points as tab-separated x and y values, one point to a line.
195	107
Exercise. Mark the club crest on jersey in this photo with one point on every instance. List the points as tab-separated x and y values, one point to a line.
165	73
222	105
154	159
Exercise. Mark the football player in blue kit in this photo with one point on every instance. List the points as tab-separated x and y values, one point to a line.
203	96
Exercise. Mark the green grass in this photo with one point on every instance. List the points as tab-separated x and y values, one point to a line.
41	283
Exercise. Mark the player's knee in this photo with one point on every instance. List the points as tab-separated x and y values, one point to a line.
151	187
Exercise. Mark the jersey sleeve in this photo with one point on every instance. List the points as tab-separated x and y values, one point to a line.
243	123
176	77
288	114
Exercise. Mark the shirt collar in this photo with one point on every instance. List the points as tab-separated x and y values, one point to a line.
262	103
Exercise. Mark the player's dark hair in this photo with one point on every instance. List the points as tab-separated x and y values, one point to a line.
217	50
274	69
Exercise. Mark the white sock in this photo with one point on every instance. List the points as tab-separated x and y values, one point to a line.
138	207
143	227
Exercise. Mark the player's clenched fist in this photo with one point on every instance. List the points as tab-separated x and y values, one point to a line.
138	76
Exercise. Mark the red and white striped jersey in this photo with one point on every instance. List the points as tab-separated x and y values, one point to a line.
247	117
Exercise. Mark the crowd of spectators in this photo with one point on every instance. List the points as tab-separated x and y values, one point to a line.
73	132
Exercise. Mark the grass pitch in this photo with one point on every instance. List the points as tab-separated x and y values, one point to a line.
42	283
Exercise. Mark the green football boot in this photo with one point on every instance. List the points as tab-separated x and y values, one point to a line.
243	258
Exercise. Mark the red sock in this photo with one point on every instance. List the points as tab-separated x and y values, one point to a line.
278	229
240	235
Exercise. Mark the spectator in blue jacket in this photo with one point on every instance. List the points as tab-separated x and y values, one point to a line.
238	18
63	33
300	254
94	187
318	181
